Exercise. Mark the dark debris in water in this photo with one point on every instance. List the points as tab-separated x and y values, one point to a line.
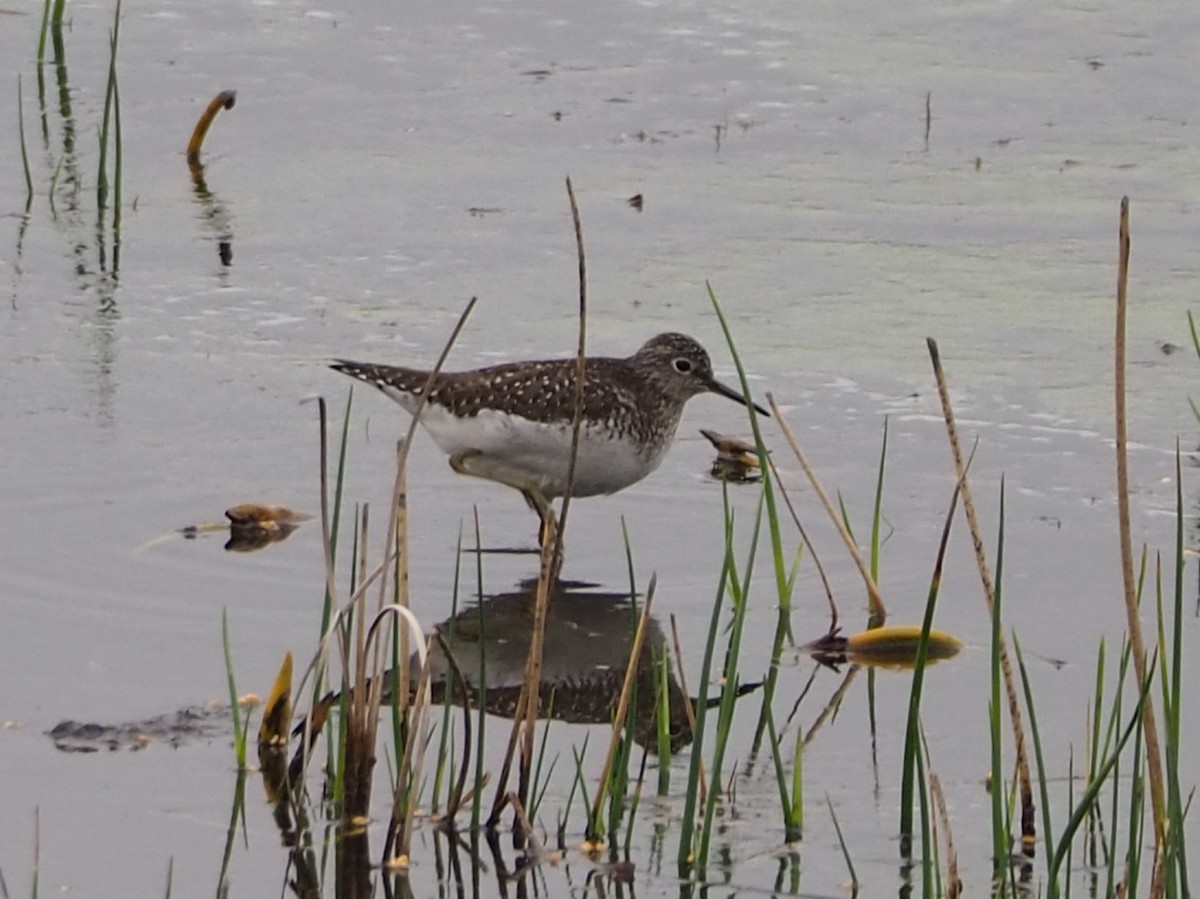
174	729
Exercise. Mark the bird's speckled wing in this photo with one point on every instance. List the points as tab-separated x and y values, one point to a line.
537	391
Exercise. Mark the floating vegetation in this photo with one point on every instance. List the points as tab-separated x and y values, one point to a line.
251	527
894	646
737	459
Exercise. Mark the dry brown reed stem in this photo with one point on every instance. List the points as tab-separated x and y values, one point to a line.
525	714
358	695
635	654
878	612
1025	782
688	708
1136	643
223	100
326	539
812	550
953	883
580	373
834	703
536	850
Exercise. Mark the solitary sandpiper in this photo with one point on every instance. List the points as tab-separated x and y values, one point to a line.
512	423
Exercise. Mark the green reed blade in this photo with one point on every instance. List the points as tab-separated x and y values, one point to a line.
41	50
24	151
912	727
837	827
1043	780
662	719
239	727
1173	707
688	823
1000	831
1083	806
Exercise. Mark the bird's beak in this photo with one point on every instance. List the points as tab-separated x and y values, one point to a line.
717	387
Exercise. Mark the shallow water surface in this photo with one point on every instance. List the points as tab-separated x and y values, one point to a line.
383	164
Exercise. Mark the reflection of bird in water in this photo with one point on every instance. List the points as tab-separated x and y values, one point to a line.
512	423
589	636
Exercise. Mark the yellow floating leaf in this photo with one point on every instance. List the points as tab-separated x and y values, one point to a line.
897	646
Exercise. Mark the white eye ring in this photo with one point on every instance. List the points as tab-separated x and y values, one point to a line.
683	365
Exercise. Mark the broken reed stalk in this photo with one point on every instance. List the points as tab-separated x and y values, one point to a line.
619	718
1028	820
876	601
223	100
1137	644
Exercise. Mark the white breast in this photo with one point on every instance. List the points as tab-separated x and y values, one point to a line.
604	464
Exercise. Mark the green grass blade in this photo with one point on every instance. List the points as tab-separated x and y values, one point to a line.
912	728
845	849
41	50
688	824
1083	807
239	726
1000	832
24	151
1043	785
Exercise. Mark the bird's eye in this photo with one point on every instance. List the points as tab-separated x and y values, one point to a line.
682	365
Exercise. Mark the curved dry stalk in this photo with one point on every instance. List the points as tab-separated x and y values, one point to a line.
223	100
875	599
408	774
